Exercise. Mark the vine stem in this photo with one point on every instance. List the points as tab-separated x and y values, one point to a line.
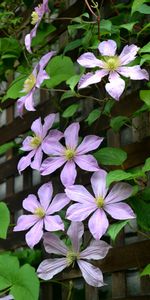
97	16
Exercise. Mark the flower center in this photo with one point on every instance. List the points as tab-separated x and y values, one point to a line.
29	83
71	257
35	18
69	153
39	212
112	63
35	142
100	202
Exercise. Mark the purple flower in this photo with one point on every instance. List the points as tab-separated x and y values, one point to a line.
37	16
34	144
112	65
96	250
41	214
70	155
9	297
33	82
103	202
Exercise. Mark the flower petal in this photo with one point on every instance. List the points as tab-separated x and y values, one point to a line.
30	36
37	127
96	250
116	86
35	234
50	267
120	191
53	223
45	59
107	48
41	76
24	222
48	122
98	224
54	245
92	275
51	164
75	233
29	104
89	143
59	202
45	193
79	212
87	162
88	60
68	173
80	194
36	163
31	203
26	145
120	211
25	161
53	147
8	297
135	72
98	182
128	54
71	135
91	78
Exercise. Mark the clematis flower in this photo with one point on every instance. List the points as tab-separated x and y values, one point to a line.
33	82
100	204
34	144
70	155
96	250
37	16
42	214
112	65
8	297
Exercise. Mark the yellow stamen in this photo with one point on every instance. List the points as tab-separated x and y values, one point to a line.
69	153
100	201
29	83
35	142
112	63
35	18
71	257
39	212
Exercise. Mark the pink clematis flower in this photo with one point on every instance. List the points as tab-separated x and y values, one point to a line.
112	65
70	155
34	144
102	202
41	214
33	82
96	250
37	16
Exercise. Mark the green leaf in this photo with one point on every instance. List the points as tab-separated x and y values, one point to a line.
136	5
145	194
72	81
105	26
93	116
145	58
146	48
142	211
73	45
67	94
6	147
70	111
146	271
9	267
144	9
60	69
10	46
128	26
114	229
145	96
110	156
4	220
15	88
119	175
42	34
146	166
117	122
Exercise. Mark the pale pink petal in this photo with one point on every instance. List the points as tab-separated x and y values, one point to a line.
36	163
29	104
92	275
53	223
91	78
71	135
45	59
120	191
98	224
37	127
80	194
26	145
31	203
88	60
79	212
128	54
53	136
50	267
53	147
34	235
116	86
68	173
59	202
20	105
48	122
25	161
41	76
120	211
89	143
30	36
75	233
45	193
54	245
107	48
135	72
51	164
9	297
24	222
98	182
87	162
96	250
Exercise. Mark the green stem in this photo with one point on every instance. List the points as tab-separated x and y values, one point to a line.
70	290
